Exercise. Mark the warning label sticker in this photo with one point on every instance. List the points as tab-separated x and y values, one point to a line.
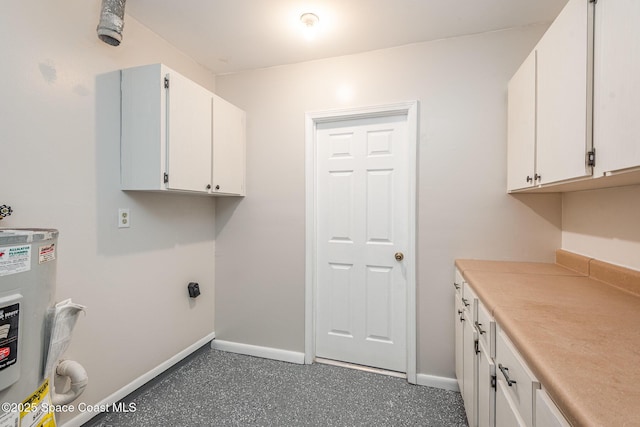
9	321
37	410
46	253
15	259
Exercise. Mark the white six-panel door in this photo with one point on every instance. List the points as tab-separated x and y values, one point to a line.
362	216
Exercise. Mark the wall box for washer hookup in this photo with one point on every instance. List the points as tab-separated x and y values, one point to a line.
194	289
10	339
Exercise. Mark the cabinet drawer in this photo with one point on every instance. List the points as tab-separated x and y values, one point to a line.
547	413
514	376
458	280
486	329
470	301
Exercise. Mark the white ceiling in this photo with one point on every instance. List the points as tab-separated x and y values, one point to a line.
233	35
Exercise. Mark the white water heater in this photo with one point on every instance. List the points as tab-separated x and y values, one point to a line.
27	287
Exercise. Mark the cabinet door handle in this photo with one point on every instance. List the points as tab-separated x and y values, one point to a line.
217	187
505	372
465	302
478	326
529	179
537	177
208	186
455	285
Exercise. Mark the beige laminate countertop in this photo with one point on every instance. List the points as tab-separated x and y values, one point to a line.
579	336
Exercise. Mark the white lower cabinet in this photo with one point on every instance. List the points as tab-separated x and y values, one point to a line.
471	358
498	388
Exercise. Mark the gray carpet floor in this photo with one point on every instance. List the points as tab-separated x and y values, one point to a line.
215	388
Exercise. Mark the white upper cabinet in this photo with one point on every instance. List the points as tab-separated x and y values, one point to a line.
550	104
564	100
178	136
586	133
617	86
521	146
229	141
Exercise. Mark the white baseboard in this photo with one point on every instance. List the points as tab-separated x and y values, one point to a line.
259	351
138	382
444	383
298	358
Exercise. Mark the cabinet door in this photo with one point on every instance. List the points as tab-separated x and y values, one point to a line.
617	86
564	108
506	412
470	383
188	135
547	414
486	391
459	343
229	140
521	142
143	128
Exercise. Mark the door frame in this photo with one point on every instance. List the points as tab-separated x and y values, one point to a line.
312	119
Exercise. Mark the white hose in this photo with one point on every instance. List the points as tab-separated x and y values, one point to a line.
79	381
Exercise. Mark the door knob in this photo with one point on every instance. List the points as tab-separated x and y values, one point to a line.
399	256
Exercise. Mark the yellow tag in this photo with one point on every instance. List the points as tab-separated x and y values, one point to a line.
37	410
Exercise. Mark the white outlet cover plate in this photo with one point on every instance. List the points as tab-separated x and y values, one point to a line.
124	218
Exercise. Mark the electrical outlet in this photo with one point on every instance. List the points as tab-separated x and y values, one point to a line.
124	218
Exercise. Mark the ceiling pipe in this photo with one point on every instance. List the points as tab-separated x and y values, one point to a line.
111	21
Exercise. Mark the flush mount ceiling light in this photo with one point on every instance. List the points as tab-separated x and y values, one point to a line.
309	20
309	25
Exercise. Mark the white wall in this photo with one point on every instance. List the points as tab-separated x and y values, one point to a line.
603	224
59	157
464	211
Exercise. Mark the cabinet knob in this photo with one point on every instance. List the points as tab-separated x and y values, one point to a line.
208	186
217	187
